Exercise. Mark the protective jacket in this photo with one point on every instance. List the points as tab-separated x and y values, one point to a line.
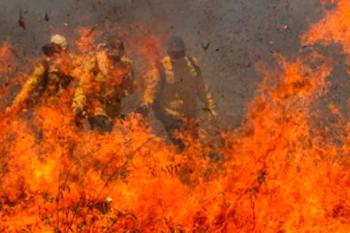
102	86
173	87
45	84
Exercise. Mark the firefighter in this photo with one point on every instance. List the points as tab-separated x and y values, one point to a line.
107	78
173	88
50	77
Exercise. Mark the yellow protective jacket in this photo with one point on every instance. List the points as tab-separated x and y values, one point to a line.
46	83
174	86
102	86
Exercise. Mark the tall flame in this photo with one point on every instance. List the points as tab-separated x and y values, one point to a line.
279	172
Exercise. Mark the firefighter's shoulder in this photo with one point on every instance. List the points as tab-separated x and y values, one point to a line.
36	75
164	63
166	60
39	68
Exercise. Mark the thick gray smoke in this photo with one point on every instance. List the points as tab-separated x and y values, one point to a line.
227	36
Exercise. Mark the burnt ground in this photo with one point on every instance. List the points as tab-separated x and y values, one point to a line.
227	36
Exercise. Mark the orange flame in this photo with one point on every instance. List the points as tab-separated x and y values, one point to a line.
87	39
276	173
333	28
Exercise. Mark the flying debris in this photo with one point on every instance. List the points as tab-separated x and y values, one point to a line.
46	18
20	21
205	46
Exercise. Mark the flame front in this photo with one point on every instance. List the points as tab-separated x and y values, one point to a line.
279	172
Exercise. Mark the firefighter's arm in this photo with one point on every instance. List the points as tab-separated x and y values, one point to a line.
203	90
28	88
151	81
79	99
206	96
151	84
129	85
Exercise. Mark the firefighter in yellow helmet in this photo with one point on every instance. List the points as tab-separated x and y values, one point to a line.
173	88
50	77
107	78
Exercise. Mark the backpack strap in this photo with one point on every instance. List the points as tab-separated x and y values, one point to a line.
195	66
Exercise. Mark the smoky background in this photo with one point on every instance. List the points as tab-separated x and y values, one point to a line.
229	37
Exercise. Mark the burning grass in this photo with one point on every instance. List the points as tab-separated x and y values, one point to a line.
277	173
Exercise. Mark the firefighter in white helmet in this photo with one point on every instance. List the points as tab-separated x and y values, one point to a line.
50	77
59	40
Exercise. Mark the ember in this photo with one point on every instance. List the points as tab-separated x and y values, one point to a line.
278	172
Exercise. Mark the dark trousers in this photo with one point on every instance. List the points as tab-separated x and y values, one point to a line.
174	124
101	123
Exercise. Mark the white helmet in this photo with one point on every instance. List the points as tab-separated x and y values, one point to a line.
59	40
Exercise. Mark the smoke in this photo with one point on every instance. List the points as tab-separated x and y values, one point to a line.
227	36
